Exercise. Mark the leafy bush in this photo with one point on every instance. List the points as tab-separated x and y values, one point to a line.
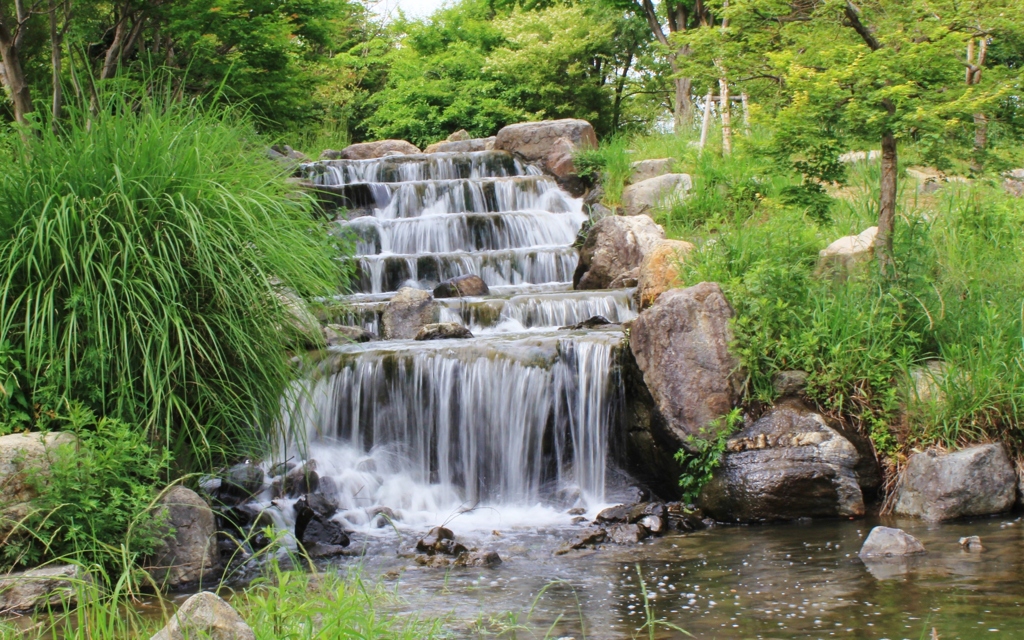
705	454
93	502
142	250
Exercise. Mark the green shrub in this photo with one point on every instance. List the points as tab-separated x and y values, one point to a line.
93	502
705	455
141	250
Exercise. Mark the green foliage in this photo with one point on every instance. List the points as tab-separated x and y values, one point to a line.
93	501
143	249
703	453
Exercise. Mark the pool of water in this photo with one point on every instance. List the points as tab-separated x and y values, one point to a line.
798	580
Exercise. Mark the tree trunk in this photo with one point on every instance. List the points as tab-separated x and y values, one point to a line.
14	75
705	123
723	105
56	38
682	105
980	119
887	205
620	86
746	113
114	52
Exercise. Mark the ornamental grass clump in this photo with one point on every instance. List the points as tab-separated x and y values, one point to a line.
142	248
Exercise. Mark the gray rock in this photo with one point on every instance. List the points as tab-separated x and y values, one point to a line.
242	481
789	383
653	524
190	552
846	254
299	481
316	528
468	285
618	513
927	381
976	481
369	150
461	145
444	331
1014	183
681	345
205	615
340	334
626	280
789	464
885	542
656	193
615	246
285	152
50	586
300	321
589	323
550	143
972	544
22	454
647	169
407	312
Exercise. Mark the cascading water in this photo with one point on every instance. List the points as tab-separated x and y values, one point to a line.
512	425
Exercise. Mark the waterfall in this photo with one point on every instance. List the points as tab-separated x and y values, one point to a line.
518	417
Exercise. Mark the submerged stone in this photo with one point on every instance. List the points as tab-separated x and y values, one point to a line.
886	542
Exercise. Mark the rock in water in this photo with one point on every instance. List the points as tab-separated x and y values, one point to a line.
190	552
443	331
789	464
885	542
468	285
440	541
626	533
844	255
589	323
647	169
659	270
407	312
50	586
242	481
615	246
976	481
971	543
681	345
369	150
487	559
339	334
316	528
205	615
656	193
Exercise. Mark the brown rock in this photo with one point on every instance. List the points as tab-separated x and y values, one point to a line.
50	586
681	345
659	270
550	143
339	334
614	247
407	312
443	331
370	150
468	285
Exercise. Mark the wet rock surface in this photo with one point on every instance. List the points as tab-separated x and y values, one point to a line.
589	323
407	312
550	143
887	542
443	331
314	527
614	247
976	481
189	550
468	285
369	150
787	465
338	334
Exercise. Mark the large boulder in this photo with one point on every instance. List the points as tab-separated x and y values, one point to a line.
1014	183
550	143
847	253
654	193
976	481
462	146
205	615
615	246
370	150
659	270
189	549
789	464
407	312
42	587
647	169
681	346
21	456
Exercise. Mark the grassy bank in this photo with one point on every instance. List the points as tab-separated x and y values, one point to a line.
285	604
957	297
